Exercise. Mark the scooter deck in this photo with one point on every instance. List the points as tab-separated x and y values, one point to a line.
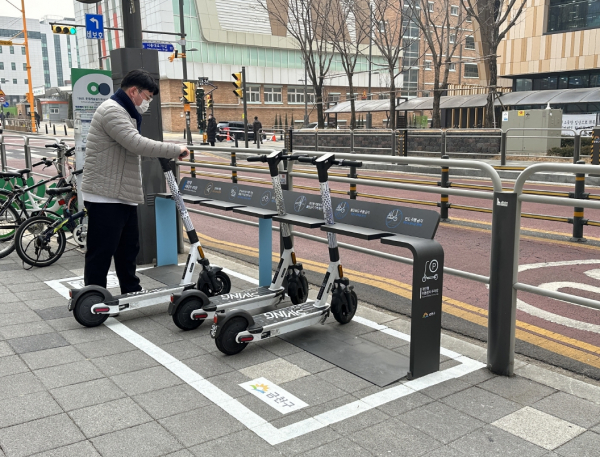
287	319
243	298
141	299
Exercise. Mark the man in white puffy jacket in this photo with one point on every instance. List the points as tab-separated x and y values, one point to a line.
112	180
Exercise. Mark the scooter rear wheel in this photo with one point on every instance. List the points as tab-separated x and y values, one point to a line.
226	342
182	317
83	310
297	288
223	285
342	312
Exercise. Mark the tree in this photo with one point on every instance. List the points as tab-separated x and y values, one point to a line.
442	34
307	22
495	18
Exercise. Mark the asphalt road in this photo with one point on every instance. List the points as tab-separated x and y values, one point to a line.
558	333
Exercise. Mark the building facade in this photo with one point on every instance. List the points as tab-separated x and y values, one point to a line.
51	57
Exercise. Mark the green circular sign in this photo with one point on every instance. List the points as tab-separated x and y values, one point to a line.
93	88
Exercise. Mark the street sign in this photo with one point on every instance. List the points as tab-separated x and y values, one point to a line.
203	80
94	26
2	99
5	43
6	104
162	47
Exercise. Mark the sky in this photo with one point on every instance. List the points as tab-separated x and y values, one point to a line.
35	9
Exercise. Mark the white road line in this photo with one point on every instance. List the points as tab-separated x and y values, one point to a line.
253	421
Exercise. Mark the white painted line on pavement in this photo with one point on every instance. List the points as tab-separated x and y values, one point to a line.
256	423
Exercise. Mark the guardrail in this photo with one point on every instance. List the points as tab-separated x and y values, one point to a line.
27	149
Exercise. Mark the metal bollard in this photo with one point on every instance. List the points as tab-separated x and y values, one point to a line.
192	169
444	183
27	151
46	129
578	220
2	153
233	164
352	141
54	129
65	126
235	140
353	175
577	148
184	134
503	137
443	143
316	141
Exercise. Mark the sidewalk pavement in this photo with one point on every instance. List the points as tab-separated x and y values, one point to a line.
138	386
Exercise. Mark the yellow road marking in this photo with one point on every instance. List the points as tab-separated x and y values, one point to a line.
546	339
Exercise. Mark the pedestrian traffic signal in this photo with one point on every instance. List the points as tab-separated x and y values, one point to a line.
209	101
64	29
189	92
199	94
239	92
173	56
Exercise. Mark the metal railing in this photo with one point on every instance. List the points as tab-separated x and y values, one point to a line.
27	149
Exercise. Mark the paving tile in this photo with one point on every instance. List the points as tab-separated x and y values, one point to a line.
481	404
37	342
109	417
277	371
27	287
313	390
279	347
9	307
478	376
440	421
22	330
204	342
125	362
387	438
385	340
82	448
25	408
19	384
11	364
5	349
85	335
445	451
308	362
491	441
38	294
585	445
570	408
230	383
70	373
88	393
252	355
182	453
161	336
96	349
172	400
45	303
445	388
19	317
378	316
201	425
517	389
344	380
146	440
539	428
340	448
183	350
144	326
308	442
51	357
42	434
244	443
139	382
352	327
208	365
57	312
404	404
64	323
359	422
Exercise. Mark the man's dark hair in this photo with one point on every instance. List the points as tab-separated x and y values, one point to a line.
256	118
141	79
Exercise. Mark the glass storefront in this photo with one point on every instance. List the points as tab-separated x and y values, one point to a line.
570	15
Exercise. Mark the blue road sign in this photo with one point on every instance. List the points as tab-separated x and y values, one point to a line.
6	104
94	26
162	47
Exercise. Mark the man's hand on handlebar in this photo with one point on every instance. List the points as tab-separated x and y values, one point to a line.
184	152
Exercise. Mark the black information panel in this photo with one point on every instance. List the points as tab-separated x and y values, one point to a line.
260	197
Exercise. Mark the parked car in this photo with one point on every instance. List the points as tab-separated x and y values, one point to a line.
235	129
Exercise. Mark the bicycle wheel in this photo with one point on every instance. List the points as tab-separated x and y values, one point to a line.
37	244
9	222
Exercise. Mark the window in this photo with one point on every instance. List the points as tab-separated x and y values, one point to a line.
53	110
350	96
15	81
25	66
454	10
452	38
451	66
469	18
3	81
0	49
471	70
296	95
273	95
469	42
26	81
1	65
12	49
13	66
427	65
253	93
569	15
333	99
430	7
22	50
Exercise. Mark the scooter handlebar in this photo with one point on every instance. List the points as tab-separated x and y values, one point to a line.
52	145
306	159
292	157
347	163
262	158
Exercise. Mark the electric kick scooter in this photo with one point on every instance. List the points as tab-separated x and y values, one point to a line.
92	304
188	312
233	330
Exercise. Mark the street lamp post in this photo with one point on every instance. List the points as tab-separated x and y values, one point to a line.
186	106
369	115
305	96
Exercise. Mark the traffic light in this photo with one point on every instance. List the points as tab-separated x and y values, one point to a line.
199	93
209	101
189	92
239	92
173	56
64	29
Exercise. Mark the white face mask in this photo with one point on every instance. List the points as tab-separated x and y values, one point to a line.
143	107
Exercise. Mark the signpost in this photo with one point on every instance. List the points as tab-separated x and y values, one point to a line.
94	26
6	43
161	47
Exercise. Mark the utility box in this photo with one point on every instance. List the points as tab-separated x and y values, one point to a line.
532	142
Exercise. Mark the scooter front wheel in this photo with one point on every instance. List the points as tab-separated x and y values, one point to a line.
223	285
83	310
344	312
297	288
182	317
226	342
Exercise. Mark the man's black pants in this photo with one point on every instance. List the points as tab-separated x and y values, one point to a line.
112	232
